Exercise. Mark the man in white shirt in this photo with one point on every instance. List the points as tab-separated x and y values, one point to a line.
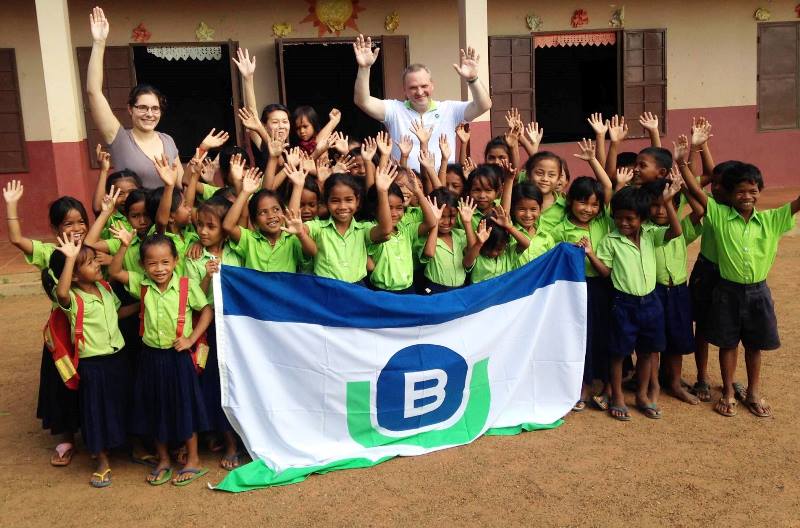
441	116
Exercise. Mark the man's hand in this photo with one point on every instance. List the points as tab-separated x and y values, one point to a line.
365	55
468	64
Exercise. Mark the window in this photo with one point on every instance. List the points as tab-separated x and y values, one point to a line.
778	71
13	156
558	79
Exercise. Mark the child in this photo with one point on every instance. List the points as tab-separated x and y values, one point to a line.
652	164
443	252
492	254
484	186
170	213
125	180
57	405
268	247
526	206
307	134
544	170
455	181
168	403
216	251
627	254
742	307
103	387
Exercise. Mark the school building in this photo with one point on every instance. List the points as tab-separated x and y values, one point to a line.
735	62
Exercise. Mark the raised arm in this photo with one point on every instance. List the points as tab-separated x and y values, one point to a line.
12	193
116	270
649	122
102	115
365	58
600	128
230	224
383	179
169	175
475	244
294	226
70	249
247	67
444	148
503	220
334	117
587	154
513	134
701	133
468	70
533	138
463	137
368	150
617	132
104	159
466	209
195	169
674	187
107	206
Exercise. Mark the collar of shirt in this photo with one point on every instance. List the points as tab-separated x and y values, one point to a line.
174	284
354	224
733	214
432	105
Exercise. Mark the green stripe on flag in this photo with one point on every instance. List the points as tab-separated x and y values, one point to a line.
517	429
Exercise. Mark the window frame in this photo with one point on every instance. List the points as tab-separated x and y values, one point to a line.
24	165
759	32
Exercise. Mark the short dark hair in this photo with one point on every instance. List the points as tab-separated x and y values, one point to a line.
526	191
274	107
121	175
252	206
134	197
50	275
496	237
309	113
144	88
484	172
217	205
583	188
626	159
225	156
157	239
662	156
740	173
444	196
542	155
154	199
60	207
497	141
632	199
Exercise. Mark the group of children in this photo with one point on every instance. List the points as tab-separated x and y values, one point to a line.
322	204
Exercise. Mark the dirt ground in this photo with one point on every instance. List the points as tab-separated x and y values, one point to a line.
692	468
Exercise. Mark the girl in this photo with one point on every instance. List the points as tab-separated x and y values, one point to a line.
307	134
492	254
340	242
443	253
483	186
544	169
455	180
125	180
216	250
171	214
103	389
168	404
497	151
526	206
57	405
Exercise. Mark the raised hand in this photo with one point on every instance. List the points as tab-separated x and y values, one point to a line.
12	192
166	171
649	121
501	218
307	163
587	150
466	209
384	177
534	133
468	64
292	157
110	199
250	120
426	160
251	181
365	55
323	171
275	146
462	133
293	222
103	158
681	148
444	147
437	210
245	63
508	169
405	145
599	126
675	183
123	235
213	140
236	172
335	115
345	164
469	166
422	133
297	176
369	148
68	246
624	177
98	25
483	233
340	142
701	131
617	129
196	163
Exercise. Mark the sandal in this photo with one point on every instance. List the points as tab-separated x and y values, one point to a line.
726	407
702	390
145	460
623	415
580	406
759	407
102	480
739	391
167	471
650	410
601	401
63	455
196	474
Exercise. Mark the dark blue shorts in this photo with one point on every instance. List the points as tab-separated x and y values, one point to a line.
703	280
677	319
637	323
743	313
598	305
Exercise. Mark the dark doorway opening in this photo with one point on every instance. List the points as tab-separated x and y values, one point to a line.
571	83
199	96
322	75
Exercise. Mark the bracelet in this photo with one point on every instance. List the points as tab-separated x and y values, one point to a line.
12	218
472	81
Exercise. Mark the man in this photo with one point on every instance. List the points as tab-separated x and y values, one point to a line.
439	117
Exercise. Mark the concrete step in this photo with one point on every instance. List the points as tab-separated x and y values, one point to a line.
15	284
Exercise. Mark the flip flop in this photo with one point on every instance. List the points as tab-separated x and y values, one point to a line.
163	480
146	460
740	392
601	401
103	479
726	407
233	459
580	406
650	410
63	455
624	415
702	390
753	406
197	473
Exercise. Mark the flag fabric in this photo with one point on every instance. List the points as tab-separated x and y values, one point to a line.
318	375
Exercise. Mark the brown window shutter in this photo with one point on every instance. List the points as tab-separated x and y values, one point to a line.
778	56
394	49
511	62
13	155
644	77
119	78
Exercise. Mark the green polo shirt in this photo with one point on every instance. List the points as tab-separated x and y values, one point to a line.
554	214
447	265
115	220
342	257
208	191
100	323
746	250
132	260
182	241
196	268
413	215
257	252
671	258
394	259
633	269
40	255
599	227
541	243
161	308
486	268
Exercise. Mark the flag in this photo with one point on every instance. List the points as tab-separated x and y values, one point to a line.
318	375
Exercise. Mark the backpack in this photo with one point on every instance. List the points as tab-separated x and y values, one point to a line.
58	339
199	350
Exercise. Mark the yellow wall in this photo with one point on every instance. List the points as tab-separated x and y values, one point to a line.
711	45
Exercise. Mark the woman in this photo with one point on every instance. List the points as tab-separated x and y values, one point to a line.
134	148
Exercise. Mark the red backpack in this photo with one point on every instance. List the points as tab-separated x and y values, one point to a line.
199	350
58	339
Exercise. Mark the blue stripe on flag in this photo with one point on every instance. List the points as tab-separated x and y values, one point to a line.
293	297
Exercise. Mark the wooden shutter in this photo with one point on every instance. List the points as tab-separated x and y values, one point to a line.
236	94
394	50
778	57
644	78
119	77
13	154
511	83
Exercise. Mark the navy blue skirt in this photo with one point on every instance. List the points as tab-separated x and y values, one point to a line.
103	394
167	402
57	406
209	384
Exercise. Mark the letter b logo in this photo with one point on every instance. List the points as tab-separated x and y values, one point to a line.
421	385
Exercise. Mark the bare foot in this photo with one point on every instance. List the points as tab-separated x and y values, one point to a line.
682	394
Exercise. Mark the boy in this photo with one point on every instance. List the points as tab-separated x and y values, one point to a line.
741	306
627	254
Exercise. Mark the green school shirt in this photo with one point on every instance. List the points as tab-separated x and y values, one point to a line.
394	259
116	219
633	269
708	244
541	243
747	250
671	259
342	257
182	241
40	256
486	268
208	191
598	229
161	308
413	215
258	253
196	268
100	323
131	261
554	214
447	265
